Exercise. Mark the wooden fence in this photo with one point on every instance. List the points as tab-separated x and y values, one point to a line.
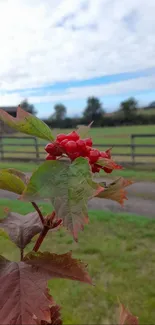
17	148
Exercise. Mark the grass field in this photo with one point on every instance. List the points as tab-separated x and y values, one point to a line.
101	136
134	174
120	252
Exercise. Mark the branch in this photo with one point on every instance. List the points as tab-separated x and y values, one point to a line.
21	254
39	212
40	238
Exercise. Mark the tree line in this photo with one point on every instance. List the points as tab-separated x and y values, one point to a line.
128	113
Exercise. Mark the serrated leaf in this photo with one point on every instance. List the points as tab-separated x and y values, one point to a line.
62	266
108	163
23	294
116	190
69	187
83	130
21	228
11	182
27	123
24	297
18	173
126	318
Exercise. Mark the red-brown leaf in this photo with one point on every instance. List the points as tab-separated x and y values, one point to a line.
109	163
59	266
23	294
21	228
116	190
126	318
55	316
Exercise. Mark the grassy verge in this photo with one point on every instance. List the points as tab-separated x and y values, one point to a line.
119	250
137	175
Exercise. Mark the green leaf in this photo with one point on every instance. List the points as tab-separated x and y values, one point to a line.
27	123
10	182
18	173
69	187
4	234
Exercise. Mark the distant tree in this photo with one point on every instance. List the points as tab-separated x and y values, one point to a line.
151	105
28	107
60	112
93	110
129	108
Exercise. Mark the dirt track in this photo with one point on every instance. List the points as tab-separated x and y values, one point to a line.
141	200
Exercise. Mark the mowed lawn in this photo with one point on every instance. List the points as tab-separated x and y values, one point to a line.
106	136
120	252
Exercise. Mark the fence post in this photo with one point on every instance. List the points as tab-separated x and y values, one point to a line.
133	148
1	148
37	148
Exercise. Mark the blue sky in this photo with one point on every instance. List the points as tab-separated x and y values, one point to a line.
67	53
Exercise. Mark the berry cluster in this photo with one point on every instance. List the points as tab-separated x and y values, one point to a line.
74	147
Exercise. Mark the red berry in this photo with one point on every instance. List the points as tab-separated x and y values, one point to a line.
81	144
63	143
85	151
103	154
71	147
94	156
88	142
53	149
73	155
50	148
107	170
73	136
50	157
61	137
95	169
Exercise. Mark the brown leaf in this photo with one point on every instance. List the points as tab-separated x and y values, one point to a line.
115	191
84	129
55	316
23	294
21	228
108	163
24	297
126	318
59	266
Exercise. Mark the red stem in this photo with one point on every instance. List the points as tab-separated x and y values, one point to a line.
40	238
39	212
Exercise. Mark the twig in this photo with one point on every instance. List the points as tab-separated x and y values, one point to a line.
40	238
39	212
21	254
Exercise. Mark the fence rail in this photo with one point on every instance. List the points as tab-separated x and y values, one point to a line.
14	148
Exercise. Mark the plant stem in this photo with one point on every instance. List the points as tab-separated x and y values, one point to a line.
40	238
21	254
39	212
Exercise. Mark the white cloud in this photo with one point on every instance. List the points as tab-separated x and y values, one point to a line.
74	93
58	40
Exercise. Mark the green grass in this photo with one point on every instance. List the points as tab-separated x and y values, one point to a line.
101	136
120	252
134	174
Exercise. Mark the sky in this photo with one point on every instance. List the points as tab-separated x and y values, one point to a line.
63	51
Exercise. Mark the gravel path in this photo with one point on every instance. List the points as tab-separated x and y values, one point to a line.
141	200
